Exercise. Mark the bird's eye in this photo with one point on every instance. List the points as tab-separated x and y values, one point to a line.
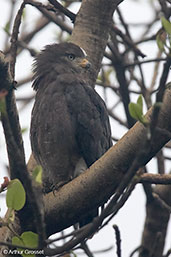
71	57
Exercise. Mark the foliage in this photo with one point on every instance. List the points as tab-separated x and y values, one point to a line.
15	199
37	174
136	110
27	239
164	36
16	196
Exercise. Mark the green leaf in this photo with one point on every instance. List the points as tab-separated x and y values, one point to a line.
7	27
37	174
166	25
135	111
140	102
11	216
18	241
27	239
161	40
74	254
23	130
107	76
30	239
24	14
16	196
2	106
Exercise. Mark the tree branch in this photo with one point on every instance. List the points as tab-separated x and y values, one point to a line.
155	178
12	131
65	11
94	39
157	217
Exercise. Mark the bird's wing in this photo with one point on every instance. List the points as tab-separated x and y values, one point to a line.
89	113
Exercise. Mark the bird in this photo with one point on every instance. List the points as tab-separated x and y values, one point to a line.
70	126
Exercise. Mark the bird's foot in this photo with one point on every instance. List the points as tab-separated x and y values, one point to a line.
57	186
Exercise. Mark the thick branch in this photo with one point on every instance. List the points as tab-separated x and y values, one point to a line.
157	217
93	39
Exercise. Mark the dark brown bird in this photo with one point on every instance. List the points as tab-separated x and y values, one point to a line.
70	126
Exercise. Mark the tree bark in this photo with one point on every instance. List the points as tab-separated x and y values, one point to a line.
91	30
155	228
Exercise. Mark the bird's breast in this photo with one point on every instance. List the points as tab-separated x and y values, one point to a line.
53	131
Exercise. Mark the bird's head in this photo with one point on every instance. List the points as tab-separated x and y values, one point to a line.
59	58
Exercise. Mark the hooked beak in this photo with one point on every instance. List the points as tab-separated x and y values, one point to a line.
85	63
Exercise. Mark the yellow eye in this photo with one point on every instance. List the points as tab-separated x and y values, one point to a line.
71	57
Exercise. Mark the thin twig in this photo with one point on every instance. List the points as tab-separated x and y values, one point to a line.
118	240
86	249
127	65
65	11
137	249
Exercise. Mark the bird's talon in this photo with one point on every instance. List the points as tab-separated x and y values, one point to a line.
57	186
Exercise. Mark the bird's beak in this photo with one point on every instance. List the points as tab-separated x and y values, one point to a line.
85	63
